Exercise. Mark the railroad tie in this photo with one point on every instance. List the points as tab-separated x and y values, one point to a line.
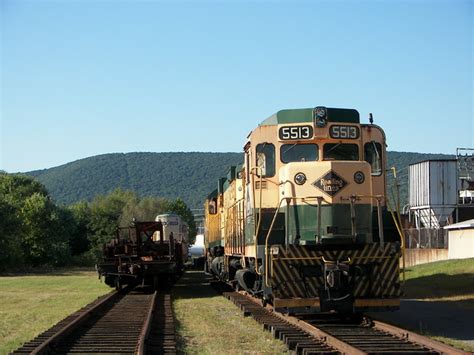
295	339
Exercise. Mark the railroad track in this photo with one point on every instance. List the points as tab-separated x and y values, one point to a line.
323	334
128	322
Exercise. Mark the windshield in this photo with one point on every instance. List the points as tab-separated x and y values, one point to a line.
373	155
341	151
298	152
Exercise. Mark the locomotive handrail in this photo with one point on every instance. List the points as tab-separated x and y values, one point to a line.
321	199
398	220
287	199
268	236
229	210
260	175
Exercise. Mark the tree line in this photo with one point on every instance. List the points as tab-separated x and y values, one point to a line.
36	231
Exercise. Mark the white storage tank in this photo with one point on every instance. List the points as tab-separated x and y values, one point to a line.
433	191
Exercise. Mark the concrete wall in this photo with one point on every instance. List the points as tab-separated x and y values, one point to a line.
461	243
423	256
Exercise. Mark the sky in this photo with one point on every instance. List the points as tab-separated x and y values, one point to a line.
82	78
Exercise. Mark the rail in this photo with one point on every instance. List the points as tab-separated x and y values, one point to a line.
142	340
327	333
124	321
45	346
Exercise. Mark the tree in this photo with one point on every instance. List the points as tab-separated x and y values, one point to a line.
78	217
106	211
10	227
145	209
44	240
16	188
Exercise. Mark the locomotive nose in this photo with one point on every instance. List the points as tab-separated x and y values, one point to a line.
333	181
321	200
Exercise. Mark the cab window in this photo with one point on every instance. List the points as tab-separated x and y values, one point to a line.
212	206
341	151
373	156
298	152
265	159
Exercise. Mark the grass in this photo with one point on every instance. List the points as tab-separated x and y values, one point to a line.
442	280
207	323
448	280
32	303
453	342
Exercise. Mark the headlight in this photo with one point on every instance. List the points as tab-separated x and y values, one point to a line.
300	178
359	177
320	116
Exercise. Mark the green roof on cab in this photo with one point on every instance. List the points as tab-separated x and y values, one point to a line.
306	115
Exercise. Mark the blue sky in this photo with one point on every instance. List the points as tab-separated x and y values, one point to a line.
81	78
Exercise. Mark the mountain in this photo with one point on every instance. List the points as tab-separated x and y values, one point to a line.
191	176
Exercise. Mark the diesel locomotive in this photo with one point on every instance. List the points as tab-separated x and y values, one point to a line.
146	252
303	223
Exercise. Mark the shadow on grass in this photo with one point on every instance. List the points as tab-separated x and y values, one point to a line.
422	311
181	341
195	284
440	285
451	319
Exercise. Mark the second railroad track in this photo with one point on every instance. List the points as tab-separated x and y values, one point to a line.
127	322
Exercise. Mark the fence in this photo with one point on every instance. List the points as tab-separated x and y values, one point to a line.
425	238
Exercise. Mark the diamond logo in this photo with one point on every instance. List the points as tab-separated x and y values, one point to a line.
330	183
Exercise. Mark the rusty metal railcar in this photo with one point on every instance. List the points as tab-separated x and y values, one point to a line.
144	253
304	223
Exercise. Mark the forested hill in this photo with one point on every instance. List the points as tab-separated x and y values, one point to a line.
190	176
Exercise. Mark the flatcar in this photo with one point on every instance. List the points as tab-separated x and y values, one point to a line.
303	223
146	252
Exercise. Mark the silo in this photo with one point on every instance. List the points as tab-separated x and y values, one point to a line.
433	191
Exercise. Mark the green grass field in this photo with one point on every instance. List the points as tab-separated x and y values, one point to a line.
208	323
30	304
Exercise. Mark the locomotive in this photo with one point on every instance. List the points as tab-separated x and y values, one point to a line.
146	252
303	224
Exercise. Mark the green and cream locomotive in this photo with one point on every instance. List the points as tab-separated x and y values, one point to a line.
303	224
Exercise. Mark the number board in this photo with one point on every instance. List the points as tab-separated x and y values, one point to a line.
295	132
344	132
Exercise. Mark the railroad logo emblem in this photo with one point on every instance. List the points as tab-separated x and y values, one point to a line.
330	183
